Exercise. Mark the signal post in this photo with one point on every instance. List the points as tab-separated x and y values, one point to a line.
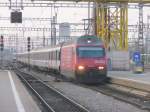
28	49
2	48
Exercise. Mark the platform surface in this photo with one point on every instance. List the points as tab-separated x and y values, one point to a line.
145	77
14	96
139	81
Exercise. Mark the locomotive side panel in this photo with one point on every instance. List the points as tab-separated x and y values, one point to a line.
83	58
68	61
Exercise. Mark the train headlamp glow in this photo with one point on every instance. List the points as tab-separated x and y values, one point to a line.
89	41
81	67
100	67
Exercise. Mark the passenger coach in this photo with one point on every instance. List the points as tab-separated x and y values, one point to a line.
83	59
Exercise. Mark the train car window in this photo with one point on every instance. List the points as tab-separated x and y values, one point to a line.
56	56
59	55
49	55
32	56
52	55
35	56
46	56
43	56
39	56
90	52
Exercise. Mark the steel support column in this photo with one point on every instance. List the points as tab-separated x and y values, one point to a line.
140	35
112	26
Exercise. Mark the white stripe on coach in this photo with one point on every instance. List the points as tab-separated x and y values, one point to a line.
16	95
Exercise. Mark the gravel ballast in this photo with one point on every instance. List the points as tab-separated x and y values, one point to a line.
93	100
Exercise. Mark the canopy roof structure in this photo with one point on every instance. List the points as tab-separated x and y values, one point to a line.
112	25
102	1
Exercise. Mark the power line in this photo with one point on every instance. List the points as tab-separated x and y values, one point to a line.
28	19
66	5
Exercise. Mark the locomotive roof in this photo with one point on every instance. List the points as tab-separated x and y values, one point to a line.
85	39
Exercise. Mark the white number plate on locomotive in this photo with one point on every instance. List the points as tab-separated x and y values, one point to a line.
99	61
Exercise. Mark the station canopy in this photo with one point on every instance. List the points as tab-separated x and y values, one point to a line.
103	1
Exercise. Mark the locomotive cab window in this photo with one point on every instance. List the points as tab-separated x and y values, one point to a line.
90	52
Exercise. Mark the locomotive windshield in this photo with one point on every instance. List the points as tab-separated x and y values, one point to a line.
91	52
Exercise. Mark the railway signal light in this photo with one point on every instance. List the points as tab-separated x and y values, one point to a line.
28	39
2	43
16	17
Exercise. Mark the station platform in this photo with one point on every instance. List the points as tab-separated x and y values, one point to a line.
14	96
139	81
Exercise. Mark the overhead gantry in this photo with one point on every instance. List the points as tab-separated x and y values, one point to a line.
112	25
111	21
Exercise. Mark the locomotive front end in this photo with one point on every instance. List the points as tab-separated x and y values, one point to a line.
91	64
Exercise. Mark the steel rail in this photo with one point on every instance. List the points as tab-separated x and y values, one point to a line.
77	106
136	100
36	93
133	99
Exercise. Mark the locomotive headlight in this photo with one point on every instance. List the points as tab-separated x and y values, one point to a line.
100	67
81	67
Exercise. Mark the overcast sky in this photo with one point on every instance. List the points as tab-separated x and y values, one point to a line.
64	15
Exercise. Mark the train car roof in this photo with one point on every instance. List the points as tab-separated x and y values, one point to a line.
84	39
47	48
43	49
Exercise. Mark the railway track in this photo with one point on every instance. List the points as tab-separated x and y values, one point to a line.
125	96
51	99
136	100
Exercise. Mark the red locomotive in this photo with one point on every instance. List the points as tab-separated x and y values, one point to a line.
83	59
